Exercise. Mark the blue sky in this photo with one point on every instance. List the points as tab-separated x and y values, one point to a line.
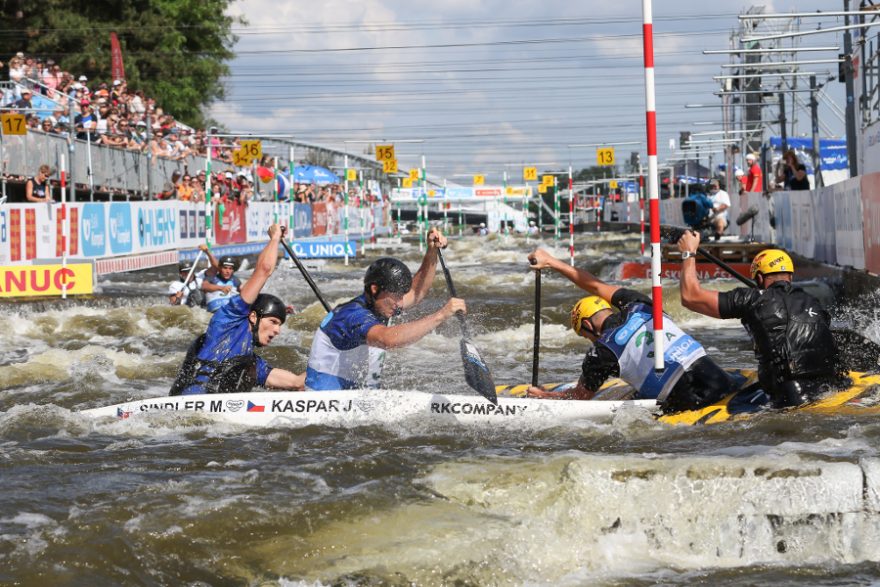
488	85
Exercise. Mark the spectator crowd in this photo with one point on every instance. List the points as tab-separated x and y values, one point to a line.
113	115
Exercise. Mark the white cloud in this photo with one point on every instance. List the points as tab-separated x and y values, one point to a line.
483	104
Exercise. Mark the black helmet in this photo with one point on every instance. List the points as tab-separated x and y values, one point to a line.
390	275
227	260
184	266
269	305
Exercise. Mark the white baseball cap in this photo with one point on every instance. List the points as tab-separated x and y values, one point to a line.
83	78
750	157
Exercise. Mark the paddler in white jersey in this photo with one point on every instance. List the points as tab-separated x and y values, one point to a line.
187	291
349	345
623	347
221	288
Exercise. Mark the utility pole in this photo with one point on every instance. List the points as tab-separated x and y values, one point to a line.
851	146
782	122
814	120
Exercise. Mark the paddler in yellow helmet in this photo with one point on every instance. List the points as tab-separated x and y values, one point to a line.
623	346
791	331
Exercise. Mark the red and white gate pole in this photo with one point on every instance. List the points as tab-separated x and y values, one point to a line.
642	212
570	216
653	192
65	227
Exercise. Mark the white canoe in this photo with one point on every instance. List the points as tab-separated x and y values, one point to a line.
370	407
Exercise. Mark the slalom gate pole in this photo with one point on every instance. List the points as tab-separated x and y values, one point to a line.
653	192
345	211
291	191
642	213
570	217
209	208
65	226
555	211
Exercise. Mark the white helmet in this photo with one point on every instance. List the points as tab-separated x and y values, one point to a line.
531	222
482	225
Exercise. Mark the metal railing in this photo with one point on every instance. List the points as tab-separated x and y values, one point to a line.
101	169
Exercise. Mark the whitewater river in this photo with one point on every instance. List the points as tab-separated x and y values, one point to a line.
177	499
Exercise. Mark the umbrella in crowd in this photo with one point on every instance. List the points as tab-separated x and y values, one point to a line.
314	174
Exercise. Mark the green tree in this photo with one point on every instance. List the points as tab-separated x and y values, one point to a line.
174	50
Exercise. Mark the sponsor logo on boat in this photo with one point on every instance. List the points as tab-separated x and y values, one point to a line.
478	408
312	405
233	405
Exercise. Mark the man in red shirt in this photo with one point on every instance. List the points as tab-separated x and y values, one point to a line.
755	177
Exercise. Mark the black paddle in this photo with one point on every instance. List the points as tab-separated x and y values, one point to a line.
537	341
476	373
674	235
305	273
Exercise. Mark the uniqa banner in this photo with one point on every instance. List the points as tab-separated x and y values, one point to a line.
45	280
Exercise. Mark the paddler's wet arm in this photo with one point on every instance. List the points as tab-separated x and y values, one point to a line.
208	286
264	267
283	379
424	277
389	337
580	277
693	296
213	263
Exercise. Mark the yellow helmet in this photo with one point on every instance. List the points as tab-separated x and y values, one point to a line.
771	261
586	308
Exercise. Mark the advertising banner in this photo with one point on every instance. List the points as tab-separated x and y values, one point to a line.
260	215
231	227
803	223
302	220
119	228
319	218
782	215
155	225
45	280
826	238
332	249
871	219
848	219
191	223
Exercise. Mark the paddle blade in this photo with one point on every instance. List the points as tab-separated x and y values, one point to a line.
476	373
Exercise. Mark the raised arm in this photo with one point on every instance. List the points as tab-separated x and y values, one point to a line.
265	265
424	277
582	278
693	296
213	263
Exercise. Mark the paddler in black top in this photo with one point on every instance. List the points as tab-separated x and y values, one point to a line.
623	346
791	331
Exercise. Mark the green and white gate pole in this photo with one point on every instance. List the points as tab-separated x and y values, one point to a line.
345	210
556	210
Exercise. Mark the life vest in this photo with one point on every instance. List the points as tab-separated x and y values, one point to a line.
217	299
633	345
332	368
792	336
233	375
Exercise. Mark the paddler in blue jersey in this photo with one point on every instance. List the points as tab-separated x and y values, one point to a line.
222	360
623	346
349	346
798	358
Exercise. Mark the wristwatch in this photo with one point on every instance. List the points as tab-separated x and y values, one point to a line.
688	255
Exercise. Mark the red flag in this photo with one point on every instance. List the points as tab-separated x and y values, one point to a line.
117	69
